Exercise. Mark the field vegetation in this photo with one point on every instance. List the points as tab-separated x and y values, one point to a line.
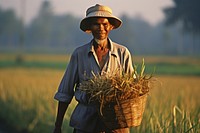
27	91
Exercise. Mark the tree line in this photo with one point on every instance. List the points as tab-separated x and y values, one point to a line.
48	32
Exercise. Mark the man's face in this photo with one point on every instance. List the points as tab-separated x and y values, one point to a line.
100	28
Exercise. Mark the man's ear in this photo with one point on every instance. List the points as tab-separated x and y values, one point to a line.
111	27
88	31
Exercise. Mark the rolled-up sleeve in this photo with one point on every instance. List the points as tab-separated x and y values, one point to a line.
65	91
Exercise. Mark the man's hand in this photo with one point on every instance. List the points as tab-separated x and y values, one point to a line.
57	130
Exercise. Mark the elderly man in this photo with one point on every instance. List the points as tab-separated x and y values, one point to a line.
98	56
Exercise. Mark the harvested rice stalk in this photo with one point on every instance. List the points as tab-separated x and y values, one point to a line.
114	87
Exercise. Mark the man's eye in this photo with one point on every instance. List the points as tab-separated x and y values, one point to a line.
96	24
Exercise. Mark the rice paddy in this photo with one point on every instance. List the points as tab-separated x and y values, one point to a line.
27	104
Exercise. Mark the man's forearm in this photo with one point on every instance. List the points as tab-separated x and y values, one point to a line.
62	107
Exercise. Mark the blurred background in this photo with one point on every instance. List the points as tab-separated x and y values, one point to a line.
152	28
37	38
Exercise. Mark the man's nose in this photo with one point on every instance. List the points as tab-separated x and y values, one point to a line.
101	27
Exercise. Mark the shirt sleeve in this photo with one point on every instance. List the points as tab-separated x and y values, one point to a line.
65	91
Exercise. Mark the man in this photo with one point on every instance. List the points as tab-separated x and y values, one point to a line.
98	56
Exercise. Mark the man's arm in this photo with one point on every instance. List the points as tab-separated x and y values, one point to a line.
62	107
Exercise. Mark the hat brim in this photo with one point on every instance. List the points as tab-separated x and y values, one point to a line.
85	23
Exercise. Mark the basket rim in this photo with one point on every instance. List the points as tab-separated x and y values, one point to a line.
134	98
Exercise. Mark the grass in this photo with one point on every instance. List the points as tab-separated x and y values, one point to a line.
174	69
163	65
26	98
27	104
172	106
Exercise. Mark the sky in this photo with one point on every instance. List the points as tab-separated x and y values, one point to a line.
149	10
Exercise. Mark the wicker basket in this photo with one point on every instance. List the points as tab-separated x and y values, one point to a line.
127	113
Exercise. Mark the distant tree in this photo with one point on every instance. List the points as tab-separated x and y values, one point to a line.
41	27
186	11
65	31
135	33
124	34
9	27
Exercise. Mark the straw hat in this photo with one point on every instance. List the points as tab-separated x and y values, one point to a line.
99	11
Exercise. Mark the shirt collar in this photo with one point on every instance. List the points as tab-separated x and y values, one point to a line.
112	50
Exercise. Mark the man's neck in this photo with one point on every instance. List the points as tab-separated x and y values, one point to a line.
102	43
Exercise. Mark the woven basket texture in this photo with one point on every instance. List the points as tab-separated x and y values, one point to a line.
126	113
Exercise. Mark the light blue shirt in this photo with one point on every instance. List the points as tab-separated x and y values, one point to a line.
82	63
